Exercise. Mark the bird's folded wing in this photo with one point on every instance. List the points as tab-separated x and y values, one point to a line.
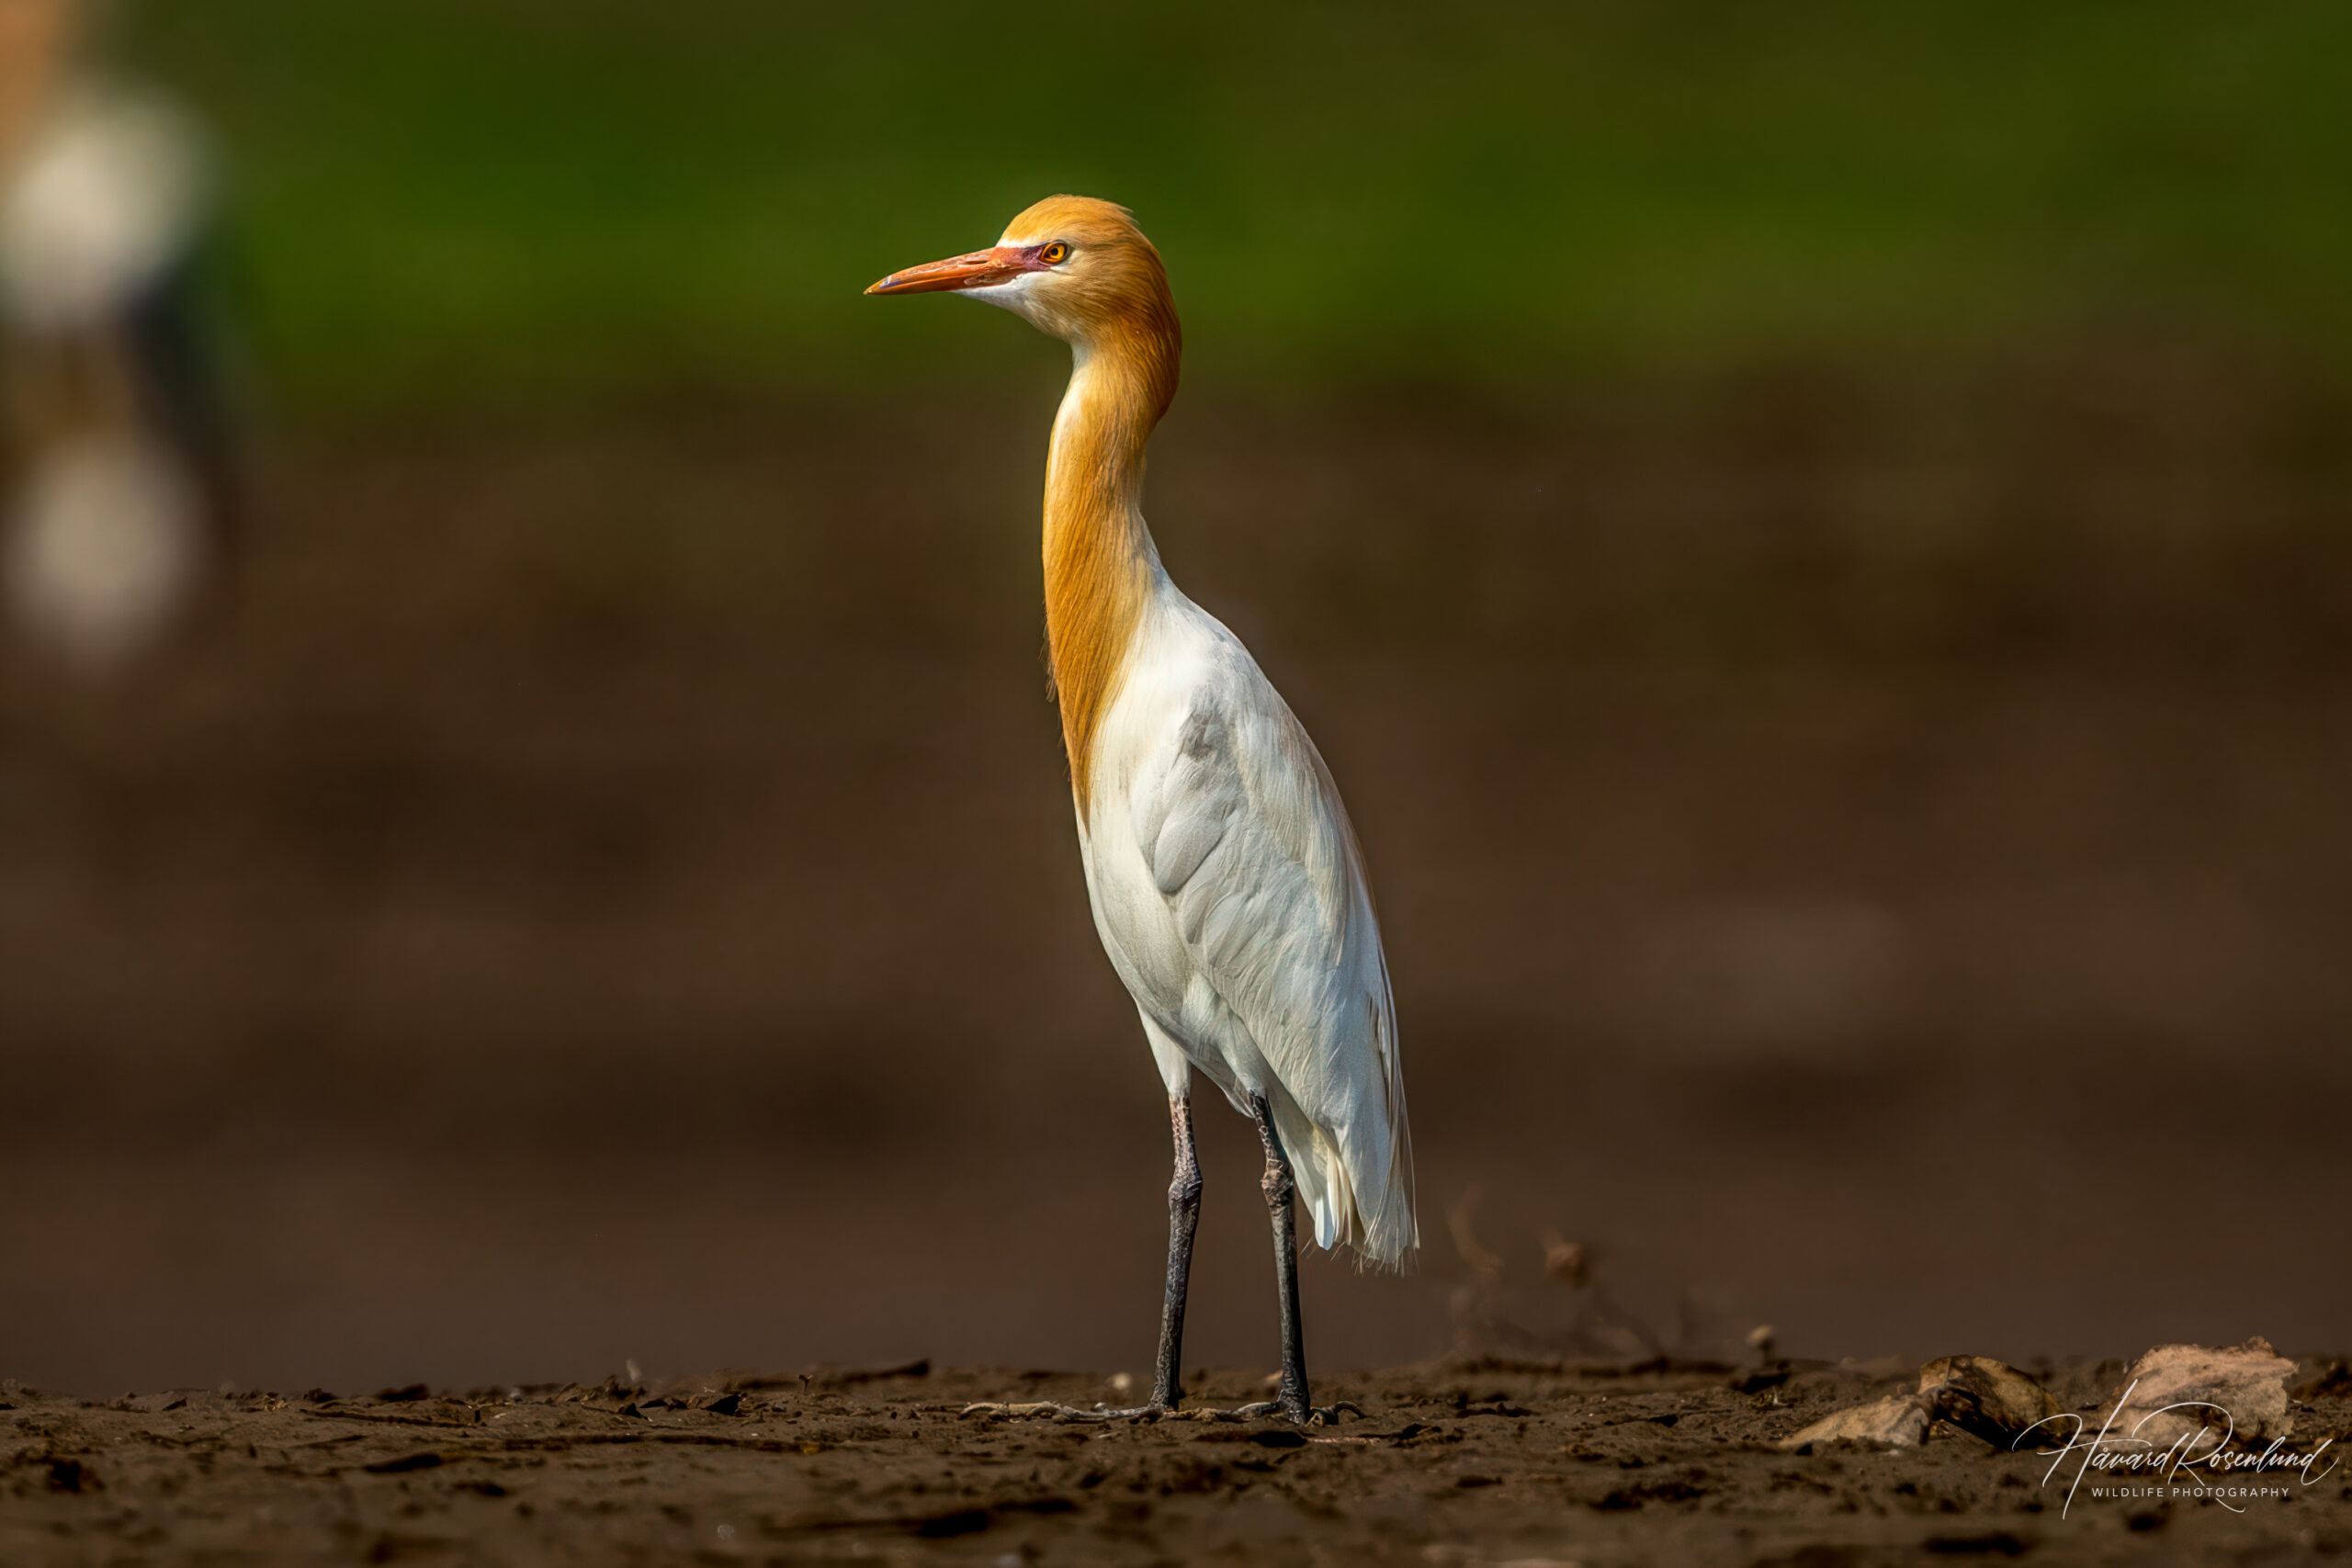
1243	831
1246	839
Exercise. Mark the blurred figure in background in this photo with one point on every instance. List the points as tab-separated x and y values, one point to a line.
115	493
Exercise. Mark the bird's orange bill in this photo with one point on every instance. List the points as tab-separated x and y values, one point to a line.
977	270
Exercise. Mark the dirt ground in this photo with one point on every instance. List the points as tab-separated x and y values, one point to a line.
1467	1464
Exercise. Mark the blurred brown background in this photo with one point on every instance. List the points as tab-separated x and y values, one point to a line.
1824	579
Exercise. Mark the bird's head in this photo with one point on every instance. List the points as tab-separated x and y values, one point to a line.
1076	267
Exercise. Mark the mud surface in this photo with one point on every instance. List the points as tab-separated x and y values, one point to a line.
1465	1464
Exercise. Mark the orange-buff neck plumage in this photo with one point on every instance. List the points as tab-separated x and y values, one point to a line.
1097	550
1120	322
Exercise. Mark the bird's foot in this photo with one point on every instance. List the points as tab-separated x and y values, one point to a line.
1294	1410
1048	1410
1266	1410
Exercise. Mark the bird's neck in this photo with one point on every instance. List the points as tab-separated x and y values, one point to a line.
1099	562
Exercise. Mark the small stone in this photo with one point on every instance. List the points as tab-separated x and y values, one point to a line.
2238	1394
1900	1421
1565	1260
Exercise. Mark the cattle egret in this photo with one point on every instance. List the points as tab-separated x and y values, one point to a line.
1226	882
114	506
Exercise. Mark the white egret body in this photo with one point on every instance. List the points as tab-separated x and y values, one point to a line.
1231	898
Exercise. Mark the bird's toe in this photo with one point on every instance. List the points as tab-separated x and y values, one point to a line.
1048	1410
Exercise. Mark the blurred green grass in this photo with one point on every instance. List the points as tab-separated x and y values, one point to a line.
464	201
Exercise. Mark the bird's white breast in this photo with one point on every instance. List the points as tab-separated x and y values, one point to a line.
1165	672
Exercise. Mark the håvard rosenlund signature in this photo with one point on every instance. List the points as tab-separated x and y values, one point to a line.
2110	1452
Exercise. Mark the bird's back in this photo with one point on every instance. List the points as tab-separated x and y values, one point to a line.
1230	893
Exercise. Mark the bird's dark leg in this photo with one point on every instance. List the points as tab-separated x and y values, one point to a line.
1167	1375
1183	1216
1279	1188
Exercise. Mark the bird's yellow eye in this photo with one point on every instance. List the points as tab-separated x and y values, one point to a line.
1054	255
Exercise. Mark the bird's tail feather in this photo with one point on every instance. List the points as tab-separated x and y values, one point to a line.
1374	1216
1388	1235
